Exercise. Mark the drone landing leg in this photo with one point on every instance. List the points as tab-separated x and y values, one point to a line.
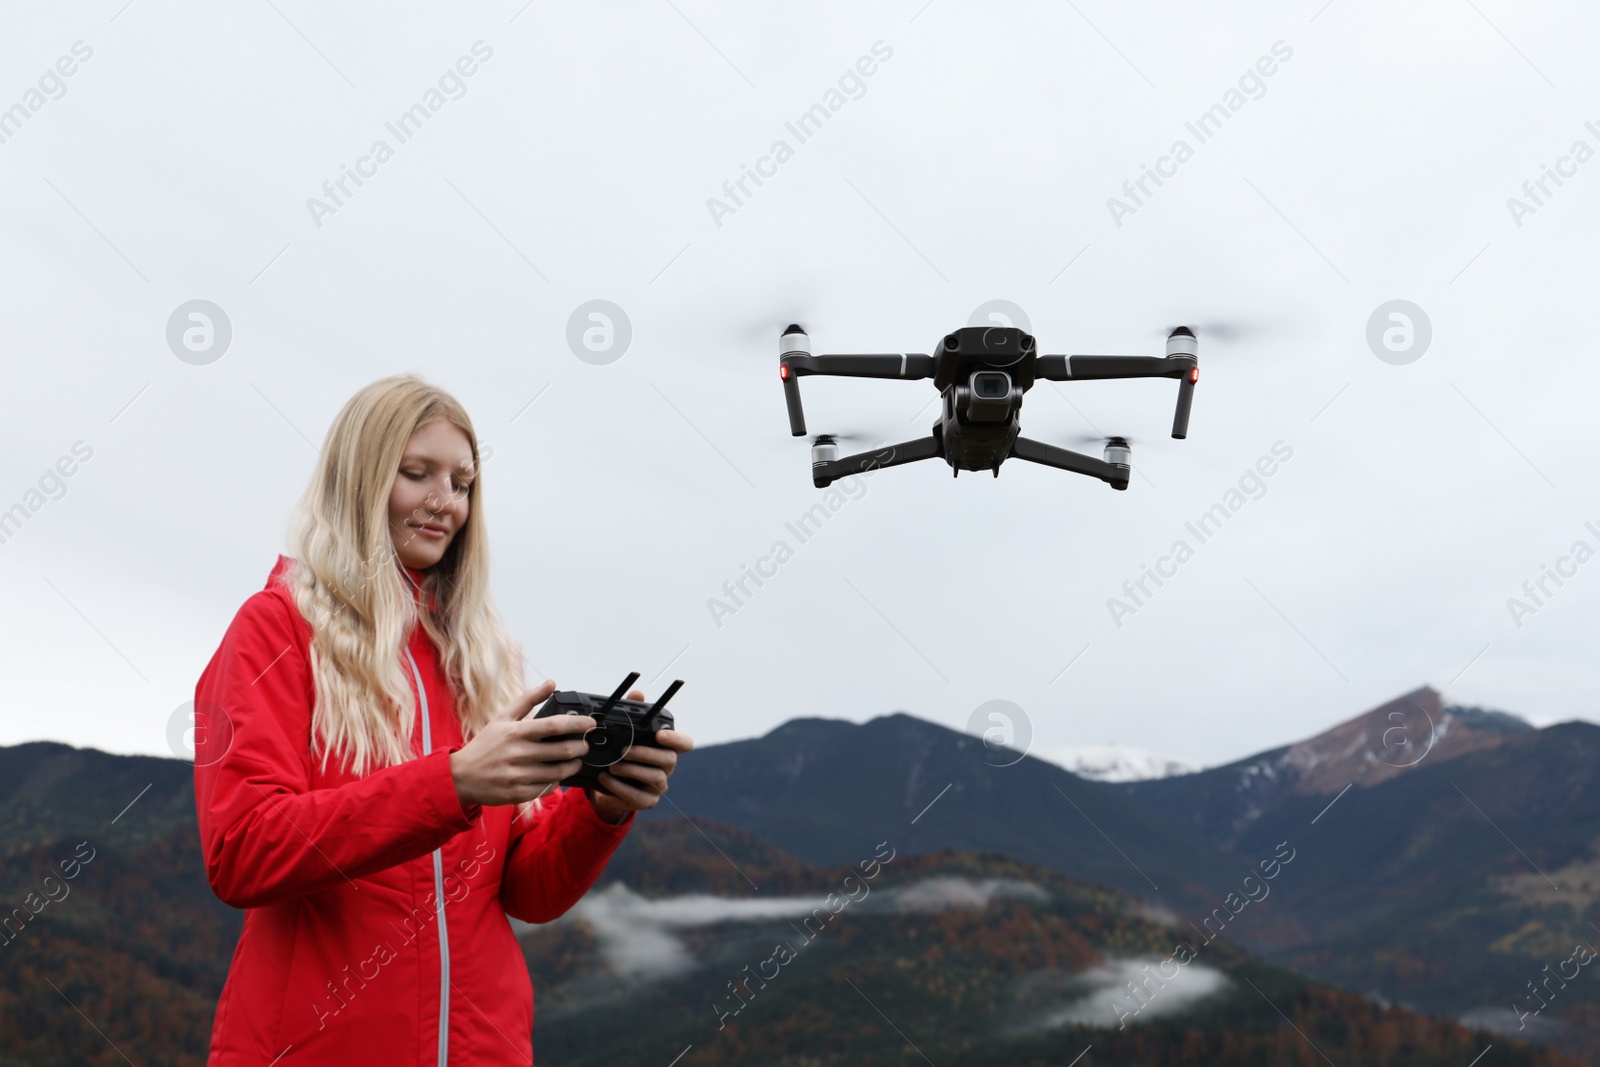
825	474
1114	474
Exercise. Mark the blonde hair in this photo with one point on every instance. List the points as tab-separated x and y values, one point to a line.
348	583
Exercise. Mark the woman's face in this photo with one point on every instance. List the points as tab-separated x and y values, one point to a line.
428	503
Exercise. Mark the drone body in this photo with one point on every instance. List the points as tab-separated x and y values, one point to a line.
982	373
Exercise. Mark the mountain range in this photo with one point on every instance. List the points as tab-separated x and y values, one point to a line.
1402	888
1447	854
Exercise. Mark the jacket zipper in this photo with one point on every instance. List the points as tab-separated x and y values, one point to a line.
438	888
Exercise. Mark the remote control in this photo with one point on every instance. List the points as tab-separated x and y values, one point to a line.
618	723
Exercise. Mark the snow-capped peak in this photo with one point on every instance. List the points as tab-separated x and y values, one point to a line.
1116	763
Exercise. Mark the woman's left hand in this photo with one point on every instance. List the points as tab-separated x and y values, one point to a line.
639	780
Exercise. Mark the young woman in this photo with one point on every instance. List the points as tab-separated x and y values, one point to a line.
368	774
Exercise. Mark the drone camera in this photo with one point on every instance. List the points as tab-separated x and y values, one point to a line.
991	385
989	395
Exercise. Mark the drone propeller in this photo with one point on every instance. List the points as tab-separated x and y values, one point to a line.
857	441
756	325
1231	329
1117	448
1104	439
836	444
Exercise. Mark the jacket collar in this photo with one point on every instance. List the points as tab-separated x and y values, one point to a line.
412	579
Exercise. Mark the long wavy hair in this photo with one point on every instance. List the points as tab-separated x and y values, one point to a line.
350	586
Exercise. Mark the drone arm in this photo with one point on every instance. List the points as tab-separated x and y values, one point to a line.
792	366
1114	474
908	365
1181	361
795	361
1098	368
827	472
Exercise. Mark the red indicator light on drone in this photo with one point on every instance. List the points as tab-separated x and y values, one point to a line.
1194	374
783	371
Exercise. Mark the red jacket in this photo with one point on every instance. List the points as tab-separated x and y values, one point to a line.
374	906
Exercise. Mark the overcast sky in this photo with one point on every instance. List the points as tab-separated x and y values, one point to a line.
578	161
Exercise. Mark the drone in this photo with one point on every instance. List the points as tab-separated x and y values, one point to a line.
981	373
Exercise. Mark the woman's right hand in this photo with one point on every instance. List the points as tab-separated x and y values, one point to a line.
510	761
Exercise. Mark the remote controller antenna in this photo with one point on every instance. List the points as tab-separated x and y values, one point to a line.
650	716
611	701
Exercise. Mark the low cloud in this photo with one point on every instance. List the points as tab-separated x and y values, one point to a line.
1096	994
639	936
1509	1023
944	892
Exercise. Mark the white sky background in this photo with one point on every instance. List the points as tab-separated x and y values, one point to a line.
976	166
